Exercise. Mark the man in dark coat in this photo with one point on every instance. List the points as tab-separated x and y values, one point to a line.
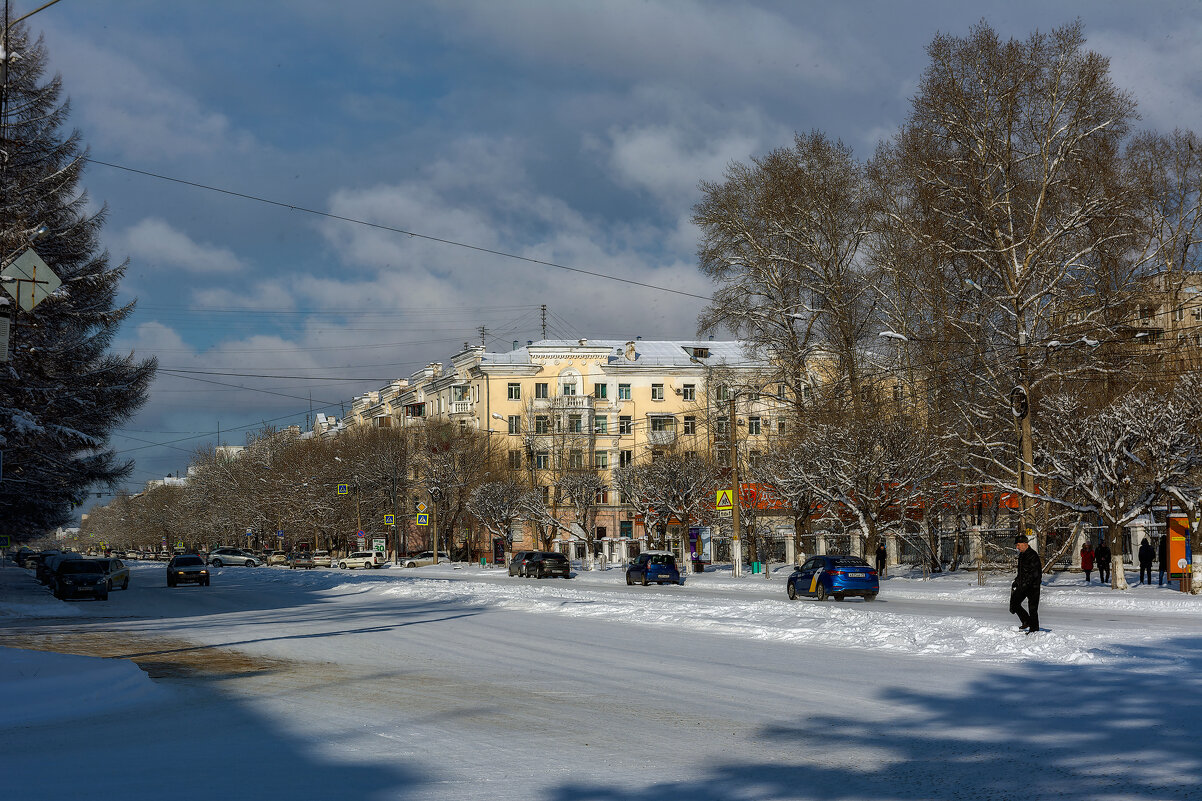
1102	556
882	557
1146	555
1026	586
1162	560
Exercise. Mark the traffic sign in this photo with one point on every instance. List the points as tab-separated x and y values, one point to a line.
723	499
343	489
5	541
423	520
280	534
30	280
361	534
421	507
389	520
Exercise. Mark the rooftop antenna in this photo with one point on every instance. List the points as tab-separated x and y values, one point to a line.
544	315
483	333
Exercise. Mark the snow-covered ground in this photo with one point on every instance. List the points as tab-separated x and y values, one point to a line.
454	682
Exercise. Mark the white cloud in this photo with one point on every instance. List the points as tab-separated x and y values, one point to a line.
154	241
1164	78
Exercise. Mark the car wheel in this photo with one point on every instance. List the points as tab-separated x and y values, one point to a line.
170	583
125	584
870	596
822	593
206	582
216	563
542	573
644	579
792	591
342	565
249	563
103	597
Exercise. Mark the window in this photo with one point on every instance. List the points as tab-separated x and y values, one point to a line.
1198	315
626	528
546	494
657	392
753	426
601	424
515	460
623	391
575	424
689	392
780	427
723	426
460	394
780	391
542	460
601	391
1198	339
540	390
569	387
624	425
576	460
1179	314
515	391
542	425
722	393
701	353
660	423
1147	312
601	531
601	460
515	424
753	459
690	425
807	393
625	458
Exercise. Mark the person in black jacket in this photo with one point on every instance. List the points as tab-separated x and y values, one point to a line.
882	557
1102	555
1026	586
1162	560
1146	554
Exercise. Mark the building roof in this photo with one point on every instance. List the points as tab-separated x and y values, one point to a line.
648	352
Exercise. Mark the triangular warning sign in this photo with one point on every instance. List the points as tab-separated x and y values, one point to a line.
723	500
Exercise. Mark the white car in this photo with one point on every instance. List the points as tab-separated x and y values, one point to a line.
232	556
323	559
424	558
362	559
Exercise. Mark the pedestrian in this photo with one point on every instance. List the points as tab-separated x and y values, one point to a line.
1087	559
1146	554
1162	560
1026	586
882	558
1102	557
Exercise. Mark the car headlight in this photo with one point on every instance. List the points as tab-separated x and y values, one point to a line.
204	572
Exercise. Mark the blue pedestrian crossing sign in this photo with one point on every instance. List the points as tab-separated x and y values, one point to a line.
389	520
423	519
343	489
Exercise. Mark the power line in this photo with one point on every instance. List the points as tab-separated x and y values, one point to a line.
396	230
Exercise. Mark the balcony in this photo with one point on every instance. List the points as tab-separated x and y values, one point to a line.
461	408
661	438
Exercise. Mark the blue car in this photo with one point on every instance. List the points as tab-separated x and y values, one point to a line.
834	576
653	566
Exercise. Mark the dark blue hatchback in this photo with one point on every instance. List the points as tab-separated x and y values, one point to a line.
657	567
834	576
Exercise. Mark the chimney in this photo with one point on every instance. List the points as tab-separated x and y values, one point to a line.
640	339
529	342
582	342
515	344
630	352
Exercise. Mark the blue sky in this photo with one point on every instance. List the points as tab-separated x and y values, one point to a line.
563	131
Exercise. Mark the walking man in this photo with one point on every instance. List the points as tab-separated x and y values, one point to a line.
882	557
1146	555
1026	586
1102	557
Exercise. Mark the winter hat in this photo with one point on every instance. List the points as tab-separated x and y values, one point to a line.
1021	538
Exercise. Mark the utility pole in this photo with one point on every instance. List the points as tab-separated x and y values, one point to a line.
1020	405
736	542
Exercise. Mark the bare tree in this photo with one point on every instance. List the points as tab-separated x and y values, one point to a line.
499	505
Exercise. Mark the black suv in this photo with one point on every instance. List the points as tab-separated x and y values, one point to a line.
543	564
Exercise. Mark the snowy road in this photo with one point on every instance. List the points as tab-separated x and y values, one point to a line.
466	684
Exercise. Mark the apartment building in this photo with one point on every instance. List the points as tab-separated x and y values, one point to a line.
553	405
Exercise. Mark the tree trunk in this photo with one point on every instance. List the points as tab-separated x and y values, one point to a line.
1114	538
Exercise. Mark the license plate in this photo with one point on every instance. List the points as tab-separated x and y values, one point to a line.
855	575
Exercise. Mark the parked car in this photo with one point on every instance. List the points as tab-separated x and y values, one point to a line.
232	556
75	577
322	559
363	559
276	558
653	566
424	558
834	575
45	569
117	572
302	559
545	564
518	562
187	568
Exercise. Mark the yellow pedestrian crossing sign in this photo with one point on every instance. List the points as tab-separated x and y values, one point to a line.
343	489
723	500
389	520
423	520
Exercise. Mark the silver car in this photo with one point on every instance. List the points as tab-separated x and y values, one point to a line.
232	556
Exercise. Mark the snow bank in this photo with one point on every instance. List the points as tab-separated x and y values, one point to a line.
41	687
